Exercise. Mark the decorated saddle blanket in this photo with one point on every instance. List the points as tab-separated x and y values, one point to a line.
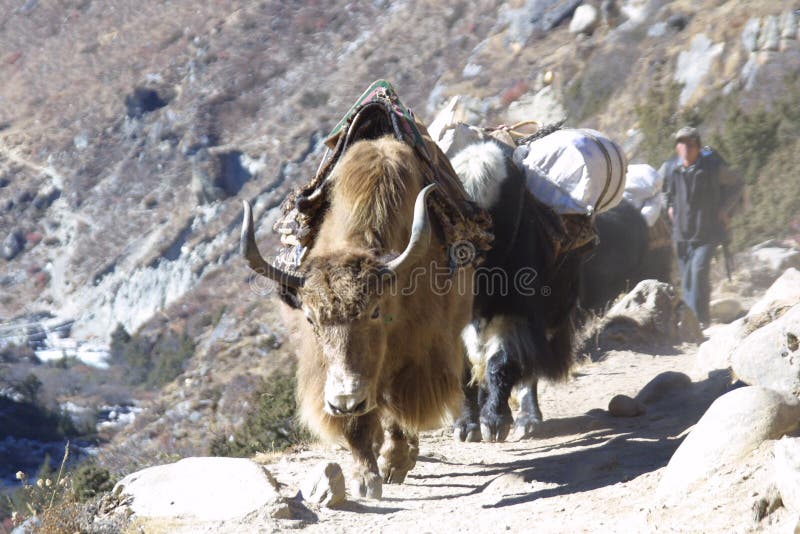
377	112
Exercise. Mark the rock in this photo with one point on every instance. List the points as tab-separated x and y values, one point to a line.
750	34
46	197
584	20
142	101
694	64
726	310
663	384
770	356
651	315
205	489
324	485
610	13
784	292
507	484
735	425
544	105
624	406
12	245
776	259
786	472
770	37
659	29
788	24
678	21
716	352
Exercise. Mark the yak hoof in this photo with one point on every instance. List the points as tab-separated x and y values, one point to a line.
525	426
397	458
496	428
366	484
470	432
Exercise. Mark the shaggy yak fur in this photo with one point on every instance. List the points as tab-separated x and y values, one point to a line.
522	325
390	337
623	257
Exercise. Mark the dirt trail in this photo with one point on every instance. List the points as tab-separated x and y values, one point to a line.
585	471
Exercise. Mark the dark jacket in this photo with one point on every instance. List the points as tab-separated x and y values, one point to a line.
698	195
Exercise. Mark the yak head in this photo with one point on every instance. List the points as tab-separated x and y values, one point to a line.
351	301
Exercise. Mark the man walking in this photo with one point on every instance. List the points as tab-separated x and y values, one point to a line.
701	192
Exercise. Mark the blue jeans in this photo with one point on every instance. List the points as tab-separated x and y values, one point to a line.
694	267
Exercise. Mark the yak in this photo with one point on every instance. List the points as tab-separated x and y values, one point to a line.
380	353
526	293
627	253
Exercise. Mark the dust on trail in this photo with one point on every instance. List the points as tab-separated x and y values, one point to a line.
584	472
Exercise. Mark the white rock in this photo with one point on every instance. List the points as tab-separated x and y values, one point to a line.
770	356
324	484
750	34
585	19
770	37
777	259
725	310
785	291
543	106
659	29
786	472
788	24
716	352
694	64
735	425
204	489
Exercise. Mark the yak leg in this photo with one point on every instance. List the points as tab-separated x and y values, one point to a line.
361	433
398	455
467	427
502	374
529	416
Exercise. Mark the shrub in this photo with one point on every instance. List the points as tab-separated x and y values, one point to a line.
151	361
271	426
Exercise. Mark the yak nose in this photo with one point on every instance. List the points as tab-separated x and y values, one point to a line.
347	401
347	404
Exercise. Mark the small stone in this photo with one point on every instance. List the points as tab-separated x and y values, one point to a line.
12	245
324	485
584	20
624	406
663	384
678	21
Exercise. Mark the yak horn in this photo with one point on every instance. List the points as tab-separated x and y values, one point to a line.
257	263
420	233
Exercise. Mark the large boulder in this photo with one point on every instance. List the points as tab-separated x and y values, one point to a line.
784	292
650	316
786	472
770	356
200	489
716	353
734	426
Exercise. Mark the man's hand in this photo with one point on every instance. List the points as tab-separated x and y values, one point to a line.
671	213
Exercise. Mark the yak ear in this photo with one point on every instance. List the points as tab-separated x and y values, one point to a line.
290	297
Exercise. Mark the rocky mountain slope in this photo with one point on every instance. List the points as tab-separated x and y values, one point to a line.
129	133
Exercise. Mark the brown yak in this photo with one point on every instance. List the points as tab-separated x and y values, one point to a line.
379	350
